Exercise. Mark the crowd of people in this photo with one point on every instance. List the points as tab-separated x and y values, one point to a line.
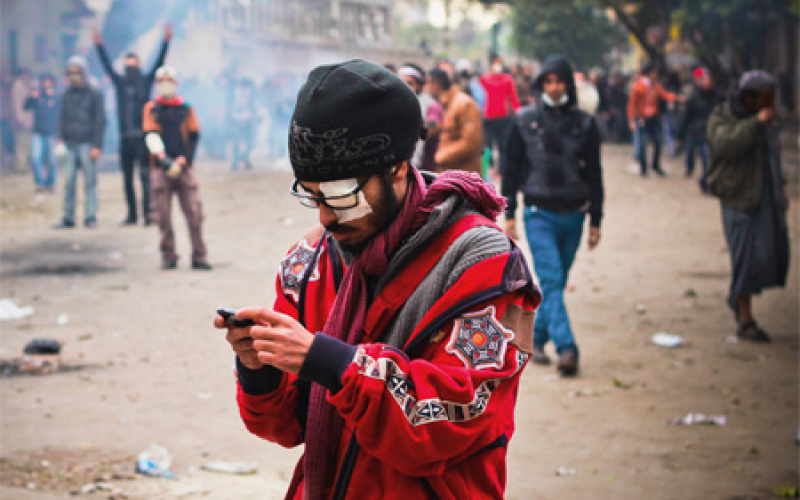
425	309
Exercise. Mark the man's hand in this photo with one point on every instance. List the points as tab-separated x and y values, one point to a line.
632	125
594	237
94	154
96	37
278	340
168	32
766	115
511	229
241	342
181	160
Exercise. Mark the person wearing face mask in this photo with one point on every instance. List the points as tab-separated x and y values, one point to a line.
133	88
500	104
553	157
745	173
171	134
81	121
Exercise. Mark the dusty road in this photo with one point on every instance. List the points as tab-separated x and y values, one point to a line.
153	370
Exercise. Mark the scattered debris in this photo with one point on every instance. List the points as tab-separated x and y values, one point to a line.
700	419
732	339
667	340
240	468
641	308
690	293
42	346
10	310
63	319
565	471
619	384
155	461
584	393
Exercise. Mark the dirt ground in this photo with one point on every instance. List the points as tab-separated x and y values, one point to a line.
152	370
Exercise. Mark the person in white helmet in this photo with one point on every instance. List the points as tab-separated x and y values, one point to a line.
171	134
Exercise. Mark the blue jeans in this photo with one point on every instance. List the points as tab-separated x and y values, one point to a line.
695	143
649	128
553	239
78	156
44	166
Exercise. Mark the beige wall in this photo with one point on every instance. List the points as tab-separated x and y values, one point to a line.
43	22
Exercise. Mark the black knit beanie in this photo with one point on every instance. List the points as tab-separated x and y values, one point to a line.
352	119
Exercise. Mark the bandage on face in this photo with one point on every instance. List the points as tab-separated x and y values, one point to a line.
338	191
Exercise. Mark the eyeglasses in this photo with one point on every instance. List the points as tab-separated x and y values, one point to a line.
340	202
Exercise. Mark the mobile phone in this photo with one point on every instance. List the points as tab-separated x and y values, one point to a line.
231	319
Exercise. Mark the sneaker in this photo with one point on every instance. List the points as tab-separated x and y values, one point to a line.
539	357
751	332
91	223
201	265
660	172
64	224
170	264
128	222
568	363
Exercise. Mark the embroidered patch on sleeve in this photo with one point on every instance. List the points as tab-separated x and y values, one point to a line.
294	266
480	340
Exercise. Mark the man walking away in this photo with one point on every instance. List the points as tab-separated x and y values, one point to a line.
500	105
171	134
82	120
133	91
554	159
745	174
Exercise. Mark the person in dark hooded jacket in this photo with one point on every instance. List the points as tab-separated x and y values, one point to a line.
133	91
745	173
553	157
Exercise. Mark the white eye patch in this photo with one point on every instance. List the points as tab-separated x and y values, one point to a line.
343	187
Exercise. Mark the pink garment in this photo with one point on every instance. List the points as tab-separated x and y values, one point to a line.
501	95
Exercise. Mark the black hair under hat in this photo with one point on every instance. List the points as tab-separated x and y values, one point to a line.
352	119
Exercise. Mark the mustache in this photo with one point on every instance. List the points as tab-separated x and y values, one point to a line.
340	228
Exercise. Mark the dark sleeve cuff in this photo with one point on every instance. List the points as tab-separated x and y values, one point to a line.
327	361
594	219
258	382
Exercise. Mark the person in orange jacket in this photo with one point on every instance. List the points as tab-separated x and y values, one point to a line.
643	116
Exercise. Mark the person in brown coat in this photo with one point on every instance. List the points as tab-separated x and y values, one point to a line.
461	140
171	135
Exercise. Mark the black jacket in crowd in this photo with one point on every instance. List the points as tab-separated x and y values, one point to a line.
82	117
45	113
133	90
553	154
698	109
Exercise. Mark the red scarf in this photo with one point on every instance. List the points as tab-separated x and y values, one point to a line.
172	101
346	320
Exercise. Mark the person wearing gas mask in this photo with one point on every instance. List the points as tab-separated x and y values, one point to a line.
133	89
171	133
82	119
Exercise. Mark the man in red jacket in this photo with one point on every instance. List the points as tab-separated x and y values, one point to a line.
643	115
499	107
402	323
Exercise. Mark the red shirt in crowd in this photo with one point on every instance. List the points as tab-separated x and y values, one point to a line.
500	93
